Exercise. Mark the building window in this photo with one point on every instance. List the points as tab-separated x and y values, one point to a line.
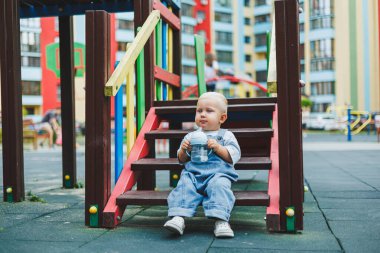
247	21
260	40
321	7
302	67
224	56
188	52
322	64
30	61
224	38
201	15
187	10
223	17
32	88
122	46
247	3
321	22
29	110
30	42
247	58
247	39
261	2
223	3
302	51
322	88
125	24
188	70
319	107
188	29
322	48
30	22
261	76
262	19
302	27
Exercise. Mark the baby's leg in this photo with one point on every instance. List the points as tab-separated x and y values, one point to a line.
184	199
220	199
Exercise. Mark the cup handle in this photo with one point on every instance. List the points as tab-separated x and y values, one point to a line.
187	153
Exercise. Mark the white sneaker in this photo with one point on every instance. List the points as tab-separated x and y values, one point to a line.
175	225
223	229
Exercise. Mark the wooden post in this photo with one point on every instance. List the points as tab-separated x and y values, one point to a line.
66	52
177	94
142	9
177	56
289	110
11	115
98	142
147	7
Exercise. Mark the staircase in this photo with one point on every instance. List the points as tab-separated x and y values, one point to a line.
249	120
277	149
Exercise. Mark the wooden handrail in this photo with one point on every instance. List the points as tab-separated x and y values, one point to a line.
128	60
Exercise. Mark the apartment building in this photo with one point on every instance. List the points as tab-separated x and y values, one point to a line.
339	51
262	25
30	31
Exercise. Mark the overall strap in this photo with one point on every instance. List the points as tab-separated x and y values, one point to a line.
221	133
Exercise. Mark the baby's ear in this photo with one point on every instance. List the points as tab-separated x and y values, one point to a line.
223	118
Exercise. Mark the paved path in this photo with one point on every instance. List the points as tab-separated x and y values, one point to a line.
342	210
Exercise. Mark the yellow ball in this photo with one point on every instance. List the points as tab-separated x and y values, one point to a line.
289	212
175	176
305	188
93	210
67	177
9	190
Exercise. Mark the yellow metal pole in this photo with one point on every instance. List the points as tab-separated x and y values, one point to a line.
130	111
130	103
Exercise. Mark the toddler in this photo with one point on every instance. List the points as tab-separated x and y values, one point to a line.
207	183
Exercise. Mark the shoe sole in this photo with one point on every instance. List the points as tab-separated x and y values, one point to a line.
174	229
223	235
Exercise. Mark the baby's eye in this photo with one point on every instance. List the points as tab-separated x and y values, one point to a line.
209	110
199	110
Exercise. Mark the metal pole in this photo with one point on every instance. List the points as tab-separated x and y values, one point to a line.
349	137
119	133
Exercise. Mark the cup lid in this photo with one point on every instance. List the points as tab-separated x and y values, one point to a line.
198	138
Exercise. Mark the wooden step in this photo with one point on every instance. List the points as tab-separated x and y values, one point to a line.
236	112
231	108
243	198
239	133
231	101
245	163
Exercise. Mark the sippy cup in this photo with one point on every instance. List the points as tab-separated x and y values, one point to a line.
199	150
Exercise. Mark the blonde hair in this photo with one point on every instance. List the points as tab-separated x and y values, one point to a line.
219	98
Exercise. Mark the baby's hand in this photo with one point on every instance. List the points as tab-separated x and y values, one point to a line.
213	144
186	145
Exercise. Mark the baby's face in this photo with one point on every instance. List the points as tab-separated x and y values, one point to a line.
208	115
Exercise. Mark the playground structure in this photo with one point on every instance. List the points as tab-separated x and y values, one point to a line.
268	129
193	90
360	121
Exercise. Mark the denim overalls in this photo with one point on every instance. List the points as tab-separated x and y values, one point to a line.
207	183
